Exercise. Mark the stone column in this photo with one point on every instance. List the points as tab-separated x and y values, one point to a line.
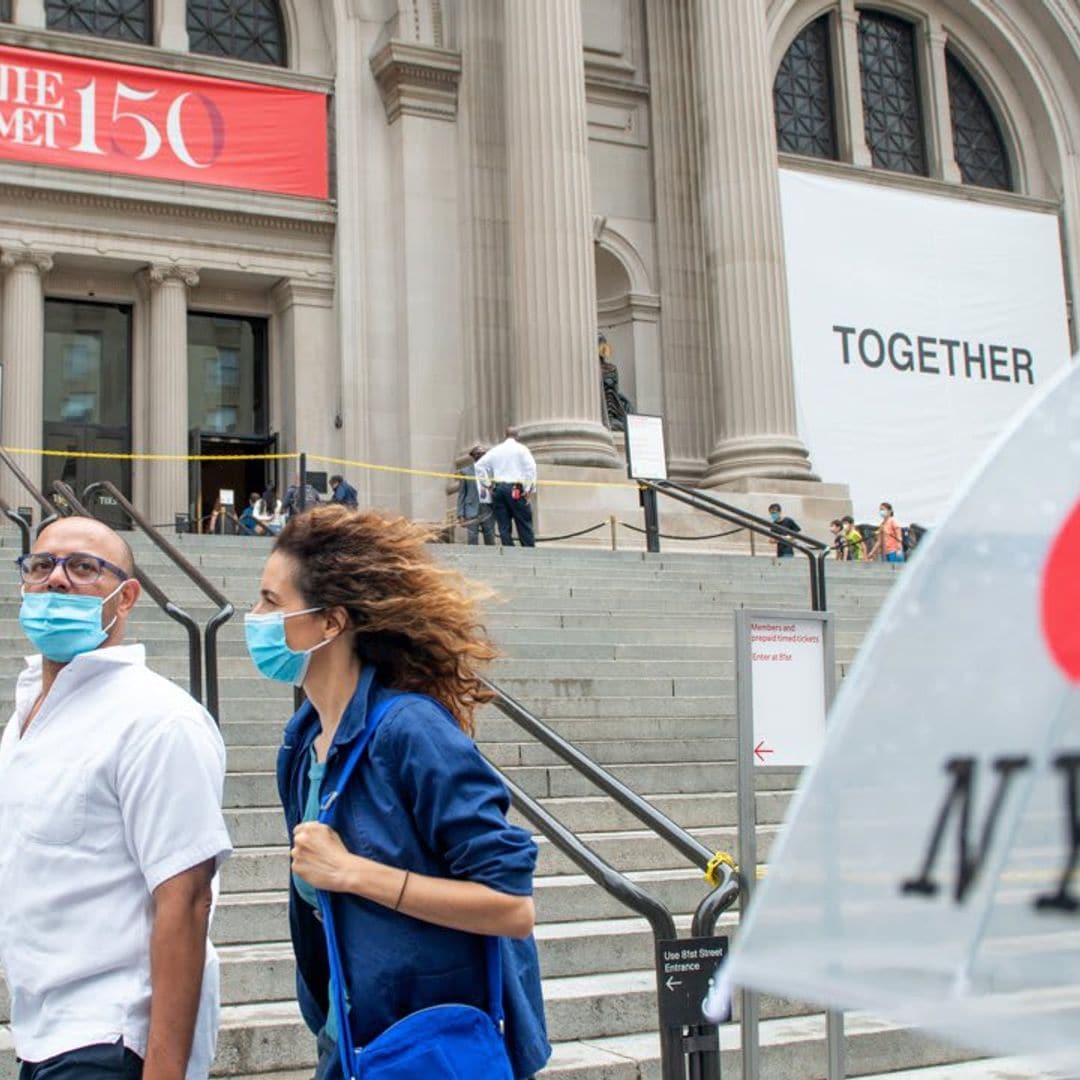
684	318
850	121
556	387
485	270
754	396
934	87
167	389
170	25
29	13
22	354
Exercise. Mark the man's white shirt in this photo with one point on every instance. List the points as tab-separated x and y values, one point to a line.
509	462
115	788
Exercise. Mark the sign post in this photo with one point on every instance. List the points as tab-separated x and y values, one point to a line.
785	680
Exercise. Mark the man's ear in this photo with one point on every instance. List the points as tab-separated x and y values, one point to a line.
128	597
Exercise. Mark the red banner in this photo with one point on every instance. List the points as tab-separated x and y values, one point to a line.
140	121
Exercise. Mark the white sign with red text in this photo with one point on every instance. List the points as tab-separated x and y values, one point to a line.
788	692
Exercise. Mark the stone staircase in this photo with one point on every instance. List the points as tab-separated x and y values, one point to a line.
631	657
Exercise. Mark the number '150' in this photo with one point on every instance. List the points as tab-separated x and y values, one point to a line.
152	141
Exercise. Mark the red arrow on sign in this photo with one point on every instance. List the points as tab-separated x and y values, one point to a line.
761	750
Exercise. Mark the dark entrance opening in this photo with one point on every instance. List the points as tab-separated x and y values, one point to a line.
227	410
87	396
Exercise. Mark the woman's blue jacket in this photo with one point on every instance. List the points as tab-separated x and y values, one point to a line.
422	799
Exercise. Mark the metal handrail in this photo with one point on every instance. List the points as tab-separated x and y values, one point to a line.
18	520
225	608
615	884
174	611
816	551
31	488
708	911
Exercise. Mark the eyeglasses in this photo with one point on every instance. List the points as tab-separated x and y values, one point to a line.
79	568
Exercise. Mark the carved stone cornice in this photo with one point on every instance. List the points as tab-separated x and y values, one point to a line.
417	80
37	260
321	222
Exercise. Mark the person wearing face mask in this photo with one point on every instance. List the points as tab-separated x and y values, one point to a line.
111	832
398	824
889	538
783	549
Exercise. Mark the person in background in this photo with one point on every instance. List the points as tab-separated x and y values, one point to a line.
854	540
509	470
249	524
474	502
422	863
269	512
889	538
111	832
784	550
291	504
343	492
839	544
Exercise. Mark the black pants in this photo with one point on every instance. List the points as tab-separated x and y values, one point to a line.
518	511
102	1061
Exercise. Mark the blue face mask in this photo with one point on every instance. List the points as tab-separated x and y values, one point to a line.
775	516
270	652
62	626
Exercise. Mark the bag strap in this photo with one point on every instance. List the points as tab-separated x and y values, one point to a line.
493	960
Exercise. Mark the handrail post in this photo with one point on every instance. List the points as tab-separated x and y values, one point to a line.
303	482
647	497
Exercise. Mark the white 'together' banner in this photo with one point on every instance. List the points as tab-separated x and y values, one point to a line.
919	324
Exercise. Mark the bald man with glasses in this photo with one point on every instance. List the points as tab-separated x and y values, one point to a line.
111	832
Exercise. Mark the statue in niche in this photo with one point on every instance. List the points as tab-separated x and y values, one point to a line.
616	404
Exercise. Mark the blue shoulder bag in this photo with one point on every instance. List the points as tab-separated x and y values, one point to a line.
444	1042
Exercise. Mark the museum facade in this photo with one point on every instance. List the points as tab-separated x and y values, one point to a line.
379	231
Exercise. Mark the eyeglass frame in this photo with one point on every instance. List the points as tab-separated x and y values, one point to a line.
62	560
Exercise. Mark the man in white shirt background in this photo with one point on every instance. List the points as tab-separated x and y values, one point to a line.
111	833
509	469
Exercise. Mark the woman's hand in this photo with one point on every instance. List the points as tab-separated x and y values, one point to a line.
320	858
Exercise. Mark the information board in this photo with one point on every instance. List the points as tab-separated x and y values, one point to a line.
646	456
686	969
788	694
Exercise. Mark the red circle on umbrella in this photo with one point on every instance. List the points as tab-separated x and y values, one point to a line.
1061	597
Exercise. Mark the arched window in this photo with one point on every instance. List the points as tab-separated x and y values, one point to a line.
890	93
977	142
803	95
242	29
126	20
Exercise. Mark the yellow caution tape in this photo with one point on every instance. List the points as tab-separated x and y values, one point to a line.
149	457
98	456
712	871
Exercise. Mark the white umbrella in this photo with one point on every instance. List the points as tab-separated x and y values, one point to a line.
926	869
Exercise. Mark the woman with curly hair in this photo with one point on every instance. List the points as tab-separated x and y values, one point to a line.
420	869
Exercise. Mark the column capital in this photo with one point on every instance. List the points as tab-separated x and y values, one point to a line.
157	274
291	292
13	257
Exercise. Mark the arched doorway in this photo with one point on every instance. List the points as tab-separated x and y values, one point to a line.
627	314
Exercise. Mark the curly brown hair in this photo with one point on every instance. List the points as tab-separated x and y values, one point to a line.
416	622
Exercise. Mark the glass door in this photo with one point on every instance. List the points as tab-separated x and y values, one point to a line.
87	401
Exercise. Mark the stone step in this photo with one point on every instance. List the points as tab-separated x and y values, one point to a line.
265	869
553	781
270	715
507	754
265	826
270	1038
250	918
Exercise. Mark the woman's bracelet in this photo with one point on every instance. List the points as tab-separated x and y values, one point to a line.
401	895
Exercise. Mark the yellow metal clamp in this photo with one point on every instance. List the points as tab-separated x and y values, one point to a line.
712	871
